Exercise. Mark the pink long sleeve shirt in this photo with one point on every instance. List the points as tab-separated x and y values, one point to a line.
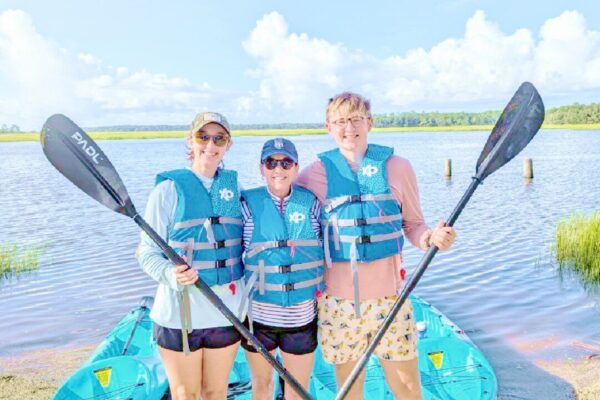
381	277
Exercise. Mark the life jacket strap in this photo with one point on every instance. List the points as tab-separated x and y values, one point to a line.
211	220
219	244
354	267
335	202
370	238
288	287
257	247
364	221
283	269
228	262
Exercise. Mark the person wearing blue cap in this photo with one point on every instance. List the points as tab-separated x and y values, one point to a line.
284	264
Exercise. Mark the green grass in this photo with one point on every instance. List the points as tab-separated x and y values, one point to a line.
14	262
578	245
22	137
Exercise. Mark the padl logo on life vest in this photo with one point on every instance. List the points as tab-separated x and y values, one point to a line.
87	147
225	194
297	217
369	170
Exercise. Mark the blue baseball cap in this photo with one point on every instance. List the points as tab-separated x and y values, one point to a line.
279	146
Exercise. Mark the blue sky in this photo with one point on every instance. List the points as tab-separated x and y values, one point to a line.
149	62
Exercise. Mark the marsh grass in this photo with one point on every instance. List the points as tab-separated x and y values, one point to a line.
13	262
578	245
24	137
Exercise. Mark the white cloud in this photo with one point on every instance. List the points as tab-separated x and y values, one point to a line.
484	66
38	78
296	73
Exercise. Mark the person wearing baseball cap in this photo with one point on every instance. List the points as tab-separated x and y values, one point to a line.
195	208
283	263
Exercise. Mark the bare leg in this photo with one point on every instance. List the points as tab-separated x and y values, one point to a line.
342	372
262	376
403	378
300	366
216	367
184	373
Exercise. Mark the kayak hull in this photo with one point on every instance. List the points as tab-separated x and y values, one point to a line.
451	366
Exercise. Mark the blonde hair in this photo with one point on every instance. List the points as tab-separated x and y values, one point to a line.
348	102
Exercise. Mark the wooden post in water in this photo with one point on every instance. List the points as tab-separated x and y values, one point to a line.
527	168
448	168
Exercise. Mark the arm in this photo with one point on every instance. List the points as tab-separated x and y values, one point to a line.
403	183
159	215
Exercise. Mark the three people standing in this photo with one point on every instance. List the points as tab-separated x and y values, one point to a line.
336	239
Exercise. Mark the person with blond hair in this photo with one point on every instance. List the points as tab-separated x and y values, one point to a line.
197	209
370	202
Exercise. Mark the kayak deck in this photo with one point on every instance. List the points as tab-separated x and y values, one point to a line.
451	366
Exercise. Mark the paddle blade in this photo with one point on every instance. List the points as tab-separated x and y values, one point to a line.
75	155
517	125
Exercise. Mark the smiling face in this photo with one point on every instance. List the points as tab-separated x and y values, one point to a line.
348	121
206	154
279	180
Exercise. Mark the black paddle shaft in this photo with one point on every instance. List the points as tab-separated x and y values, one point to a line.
406	290
75	155
218	303
519	122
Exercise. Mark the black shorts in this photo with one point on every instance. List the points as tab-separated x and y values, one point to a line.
211	338
299	340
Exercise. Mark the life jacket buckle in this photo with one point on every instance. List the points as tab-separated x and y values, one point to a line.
287	287
354	198
281	243
360	221
284	269
363	239
219	244
220	263
214	220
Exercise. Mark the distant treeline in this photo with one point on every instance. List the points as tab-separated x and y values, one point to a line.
573	114
10	128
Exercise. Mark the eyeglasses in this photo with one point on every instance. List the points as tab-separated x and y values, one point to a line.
271	164
342	122
218	140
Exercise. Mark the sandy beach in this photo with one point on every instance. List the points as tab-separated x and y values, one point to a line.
37	375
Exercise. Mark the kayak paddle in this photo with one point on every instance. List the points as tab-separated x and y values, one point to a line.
75	155
145	304
517	125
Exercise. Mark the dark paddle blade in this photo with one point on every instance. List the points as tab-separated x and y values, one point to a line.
80	160
518	124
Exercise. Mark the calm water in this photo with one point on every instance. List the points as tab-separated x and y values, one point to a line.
499	282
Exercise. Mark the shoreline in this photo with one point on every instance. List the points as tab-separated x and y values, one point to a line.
38	374
130	135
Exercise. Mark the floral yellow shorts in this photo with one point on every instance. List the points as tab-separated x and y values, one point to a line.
345	338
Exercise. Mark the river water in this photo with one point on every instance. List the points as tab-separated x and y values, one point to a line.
499	282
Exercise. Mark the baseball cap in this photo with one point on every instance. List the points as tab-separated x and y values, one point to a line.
204	118
279	146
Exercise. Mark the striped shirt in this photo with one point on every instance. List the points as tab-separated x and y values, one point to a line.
271	314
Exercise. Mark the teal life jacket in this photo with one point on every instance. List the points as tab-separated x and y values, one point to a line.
361	219
208	225
284	259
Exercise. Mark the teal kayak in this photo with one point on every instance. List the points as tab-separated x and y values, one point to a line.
126	365
451	366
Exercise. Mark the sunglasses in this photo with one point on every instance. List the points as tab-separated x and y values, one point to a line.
271	164
218	140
